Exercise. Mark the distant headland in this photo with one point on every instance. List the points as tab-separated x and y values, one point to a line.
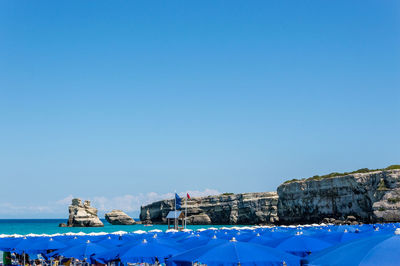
361	196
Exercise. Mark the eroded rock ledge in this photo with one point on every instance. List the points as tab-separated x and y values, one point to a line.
247	208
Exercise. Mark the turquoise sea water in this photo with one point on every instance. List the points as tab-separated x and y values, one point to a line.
50	226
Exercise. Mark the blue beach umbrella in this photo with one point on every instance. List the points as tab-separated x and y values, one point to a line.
110	242
342	237
261	240
146	251
203	240
235	253
245	236
383	250
194	241
9	243
76	240
81	251
43	244
25	245
302	245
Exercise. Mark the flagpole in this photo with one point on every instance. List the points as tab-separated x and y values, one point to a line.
186	210
175	213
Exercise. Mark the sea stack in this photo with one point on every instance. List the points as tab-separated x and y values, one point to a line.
118	217
83	215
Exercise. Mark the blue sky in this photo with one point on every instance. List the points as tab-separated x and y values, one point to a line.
124	102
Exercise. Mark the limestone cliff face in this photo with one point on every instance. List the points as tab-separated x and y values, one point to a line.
247	208
370	197
83	215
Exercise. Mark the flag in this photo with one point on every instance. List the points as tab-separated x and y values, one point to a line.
187	195
178	201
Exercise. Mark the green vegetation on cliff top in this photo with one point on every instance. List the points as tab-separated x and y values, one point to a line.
335	174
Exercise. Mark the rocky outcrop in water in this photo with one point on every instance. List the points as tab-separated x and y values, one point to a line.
83	215
247	208
118	217
369	197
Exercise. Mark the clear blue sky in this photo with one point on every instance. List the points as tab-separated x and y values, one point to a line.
123	98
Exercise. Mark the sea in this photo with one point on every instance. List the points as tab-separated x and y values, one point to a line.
50	226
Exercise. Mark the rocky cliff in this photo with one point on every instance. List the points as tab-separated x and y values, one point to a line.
83	215
363	195
247	208
370	197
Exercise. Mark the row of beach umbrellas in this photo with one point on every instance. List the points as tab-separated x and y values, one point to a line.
377	244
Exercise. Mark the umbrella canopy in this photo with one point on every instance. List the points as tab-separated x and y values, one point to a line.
383	250
145	251
80	251
194	241
232	253
261	240
341	237
148	252
302	245
110	242
201	241
43	244
25	245
9	243
76	240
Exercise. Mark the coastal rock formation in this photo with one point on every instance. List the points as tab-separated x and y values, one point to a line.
118	217
247	208
367	197
83	215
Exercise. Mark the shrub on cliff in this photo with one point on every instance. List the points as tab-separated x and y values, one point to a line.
392	167
335	174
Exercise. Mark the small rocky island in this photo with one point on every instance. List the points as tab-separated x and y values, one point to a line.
361	196
82	215
118	217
